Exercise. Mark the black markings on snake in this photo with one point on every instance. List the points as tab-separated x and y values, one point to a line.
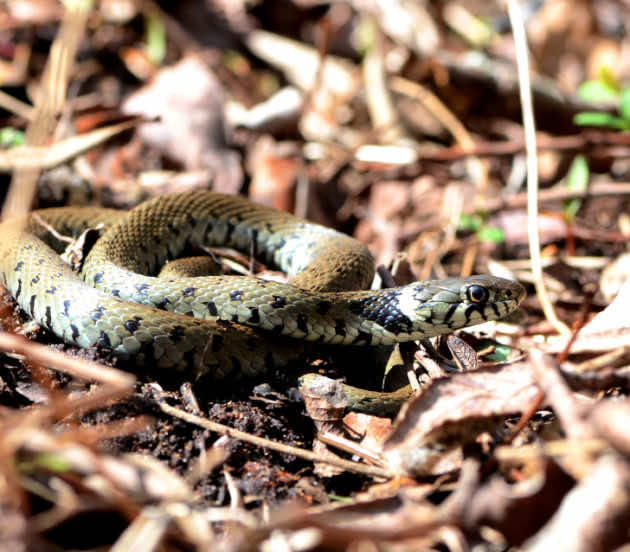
142	289
19	289
132	325
495	308
162	304
173	229
323	307
217	343
18	266
104	341
340	327
362	337
254	315
177	333
32	304
75	332
97	313
236	295
450	312
278	302
189	292
66	307
40	261
48	317
115	292
212	308
471	308
383	310
229	230
98	277
52	290
302	322
35	279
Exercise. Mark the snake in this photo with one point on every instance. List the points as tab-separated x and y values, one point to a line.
223	327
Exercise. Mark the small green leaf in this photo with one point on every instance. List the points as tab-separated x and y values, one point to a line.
10	137
606	76
598	91
491	234
624	105
47	460
577	177
594	118
501	353
470	222
337	498
155	46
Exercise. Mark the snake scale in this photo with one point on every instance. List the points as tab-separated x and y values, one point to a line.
224	326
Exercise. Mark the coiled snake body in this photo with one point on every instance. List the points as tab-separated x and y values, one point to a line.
125	311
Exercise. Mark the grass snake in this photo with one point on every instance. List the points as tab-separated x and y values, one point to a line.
224	326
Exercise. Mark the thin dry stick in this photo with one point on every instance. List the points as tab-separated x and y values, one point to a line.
50	102
13	105
446	117
76	367
273	445
522	63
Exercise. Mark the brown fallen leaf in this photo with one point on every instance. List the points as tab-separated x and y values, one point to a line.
608	330
188	99
594	516
518	511
450	412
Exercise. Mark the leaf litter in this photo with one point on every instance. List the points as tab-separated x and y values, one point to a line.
398	125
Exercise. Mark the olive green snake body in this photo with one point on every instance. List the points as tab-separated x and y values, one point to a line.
223	326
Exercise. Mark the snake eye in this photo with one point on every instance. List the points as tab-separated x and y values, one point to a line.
476	294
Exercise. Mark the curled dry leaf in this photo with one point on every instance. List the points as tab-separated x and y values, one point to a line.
519	510
609	330
594	516
450	412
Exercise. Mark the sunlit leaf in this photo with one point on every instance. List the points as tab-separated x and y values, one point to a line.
491	234
501	353
594	118
624	105
598	91
470	222
155	39
10	137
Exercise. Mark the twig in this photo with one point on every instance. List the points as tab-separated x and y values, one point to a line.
76	367
446	117
273	445
520	42
50	103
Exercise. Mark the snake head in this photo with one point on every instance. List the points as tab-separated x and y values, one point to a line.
437	307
